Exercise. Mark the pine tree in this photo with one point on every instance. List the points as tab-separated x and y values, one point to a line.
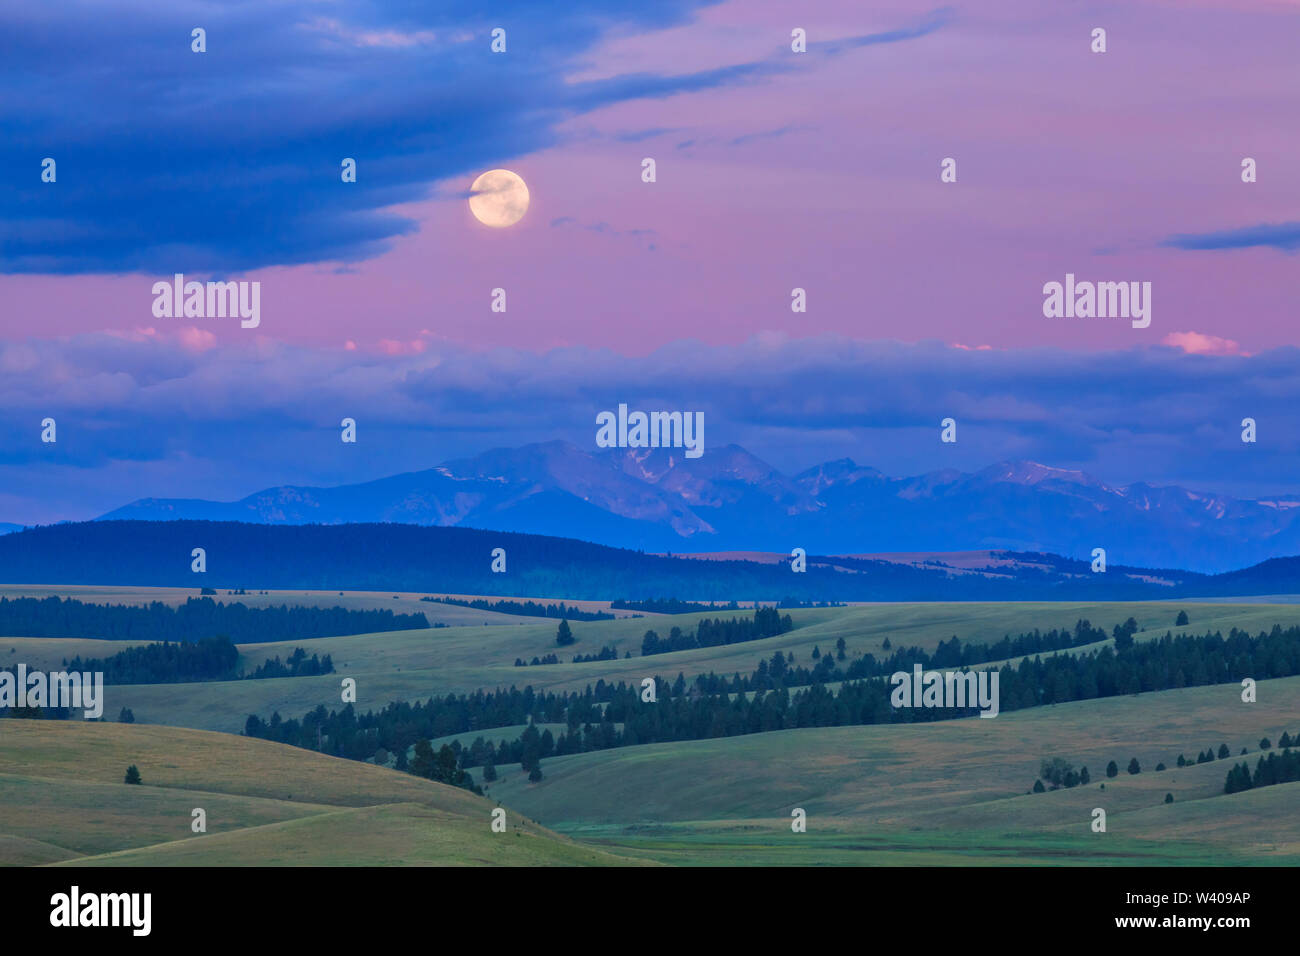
446	769
1134	766
132	774
1057	772
423	764
564	635
1169	798
1112	769
1181	622
1238	779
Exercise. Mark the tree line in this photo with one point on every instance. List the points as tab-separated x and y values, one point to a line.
1275	768
670	606
525	608
196	618
182	662
614	715
714	632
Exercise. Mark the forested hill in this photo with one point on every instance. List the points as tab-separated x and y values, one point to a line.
197	618
458	560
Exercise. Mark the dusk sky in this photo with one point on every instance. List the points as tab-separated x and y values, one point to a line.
775	170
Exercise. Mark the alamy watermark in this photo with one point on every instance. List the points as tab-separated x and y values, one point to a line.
651	430
72	691
946	689
76	909
1101	300
213	300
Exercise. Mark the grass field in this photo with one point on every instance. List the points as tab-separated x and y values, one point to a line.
62	798
414	665
949	781
935	794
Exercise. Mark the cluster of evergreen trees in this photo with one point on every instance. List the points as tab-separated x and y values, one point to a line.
442	766
196	618
401	725
713	632
551	658
1275	768
525	608
1206	756
298	664
607	652
1060	773
954	654
610	715
527	750
208	659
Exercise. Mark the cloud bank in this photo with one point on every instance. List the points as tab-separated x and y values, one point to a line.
174	415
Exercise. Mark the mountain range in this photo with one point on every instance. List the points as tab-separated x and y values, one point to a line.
729	500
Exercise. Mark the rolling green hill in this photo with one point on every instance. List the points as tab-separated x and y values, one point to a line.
936	793
941	785
411	665
62	798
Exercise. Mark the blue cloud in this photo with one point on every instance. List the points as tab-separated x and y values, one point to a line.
640	135
933	22
1283	235
228	160
766	134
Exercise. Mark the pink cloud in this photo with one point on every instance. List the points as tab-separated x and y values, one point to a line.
394	347
1197	343
192	339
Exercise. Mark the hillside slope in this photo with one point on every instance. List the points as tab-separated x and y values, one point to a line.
922	789
62	797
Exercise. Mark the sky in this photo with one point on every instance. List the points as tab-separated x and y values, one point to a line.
775	170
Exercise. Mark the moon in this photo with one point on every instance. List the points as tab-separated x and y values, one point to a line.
498	198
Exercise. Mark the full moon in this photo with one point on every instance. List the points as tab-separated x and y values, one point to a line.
498	198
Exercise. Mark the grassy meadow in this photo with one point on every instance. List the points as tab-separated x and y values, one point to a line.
62	798
951	792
